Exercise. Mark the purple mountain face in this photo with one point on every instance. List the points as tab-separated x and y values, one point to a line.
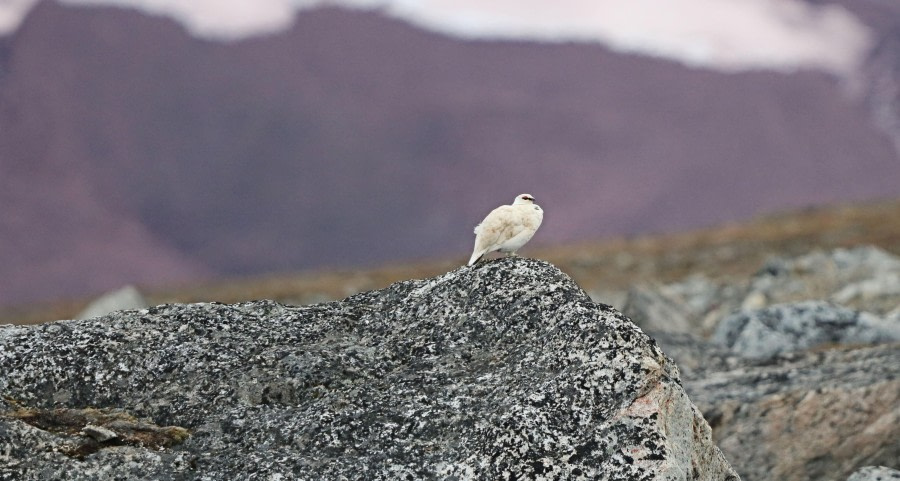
133	152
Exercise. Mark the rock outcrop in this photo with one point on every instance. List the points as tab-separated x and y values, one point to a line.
800	378
862	278
503	371
767	332
811	415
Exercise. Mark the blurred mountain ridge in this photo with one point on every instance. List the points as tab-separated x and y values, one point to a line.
132	152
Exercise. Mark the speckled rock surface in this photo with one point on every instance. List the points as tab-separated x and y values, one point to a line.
502	371
767	332
875	473
807	415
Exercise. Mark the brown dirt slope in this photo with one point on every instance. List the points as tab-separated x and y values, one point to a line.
728	250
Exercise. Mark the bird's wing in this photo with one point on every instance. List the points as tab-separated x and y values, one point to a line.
501	224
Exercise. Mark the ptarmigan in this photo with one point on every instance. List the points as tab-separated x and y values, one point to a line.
507	228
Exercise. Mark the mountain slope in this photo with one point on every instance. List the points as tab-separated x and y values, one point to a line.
133	152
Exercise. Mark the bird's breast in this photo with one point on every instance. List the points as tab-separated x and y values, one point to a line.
532	217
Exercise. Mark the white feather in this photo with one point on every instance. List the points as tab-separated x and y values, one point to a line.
507	228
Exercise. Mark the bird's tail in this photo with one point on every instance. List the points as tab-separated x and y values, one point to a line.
475	257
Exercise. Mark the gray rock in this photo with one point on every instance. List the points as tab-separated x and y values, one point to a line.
809	415
502	371
696	358
791	387
655	310
864	278
694	305
99	433
764	333
875	473
611	297
127	297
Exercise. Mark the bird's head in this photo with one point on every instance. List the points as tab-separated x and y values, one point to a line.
523	199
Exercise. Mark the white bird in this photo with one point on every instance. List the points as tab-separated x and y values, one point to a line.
507	228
